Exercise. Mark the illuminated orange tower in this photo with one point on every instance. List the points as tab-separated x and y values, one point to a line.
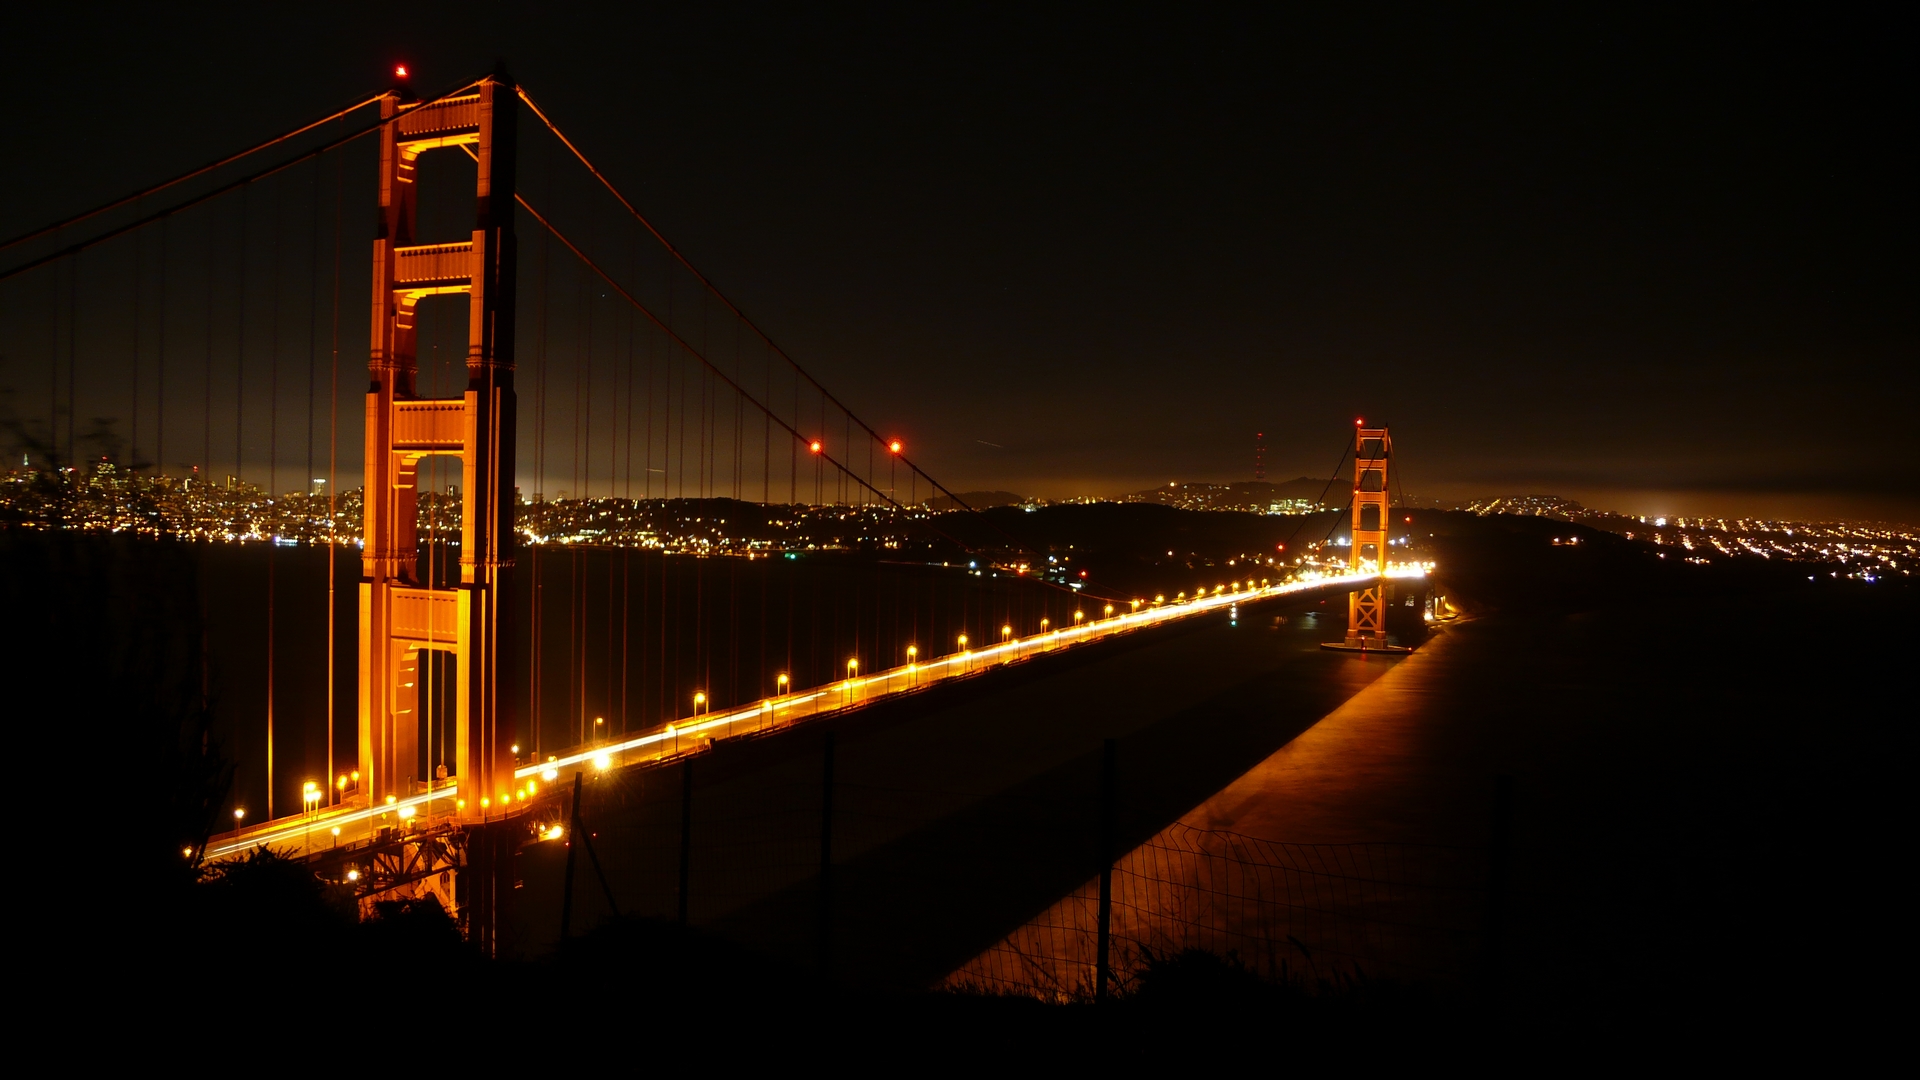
401	616
1367	608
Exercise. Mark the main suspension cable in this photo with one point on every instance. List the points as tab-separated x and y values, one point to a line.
185	204
684	344
718	295
714	370
191	173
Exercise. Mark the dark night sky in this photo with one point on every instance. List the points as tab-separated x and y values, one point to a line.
1661	262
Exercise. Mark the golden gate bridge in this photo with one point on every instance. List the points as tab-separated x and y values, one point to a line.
456	764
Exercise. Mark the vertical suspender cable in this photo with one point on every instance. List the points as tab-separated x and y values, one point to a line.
333	460
626	548
313	328
133	435
206	404
646	488
273	461
538	659
73	348
160	364
240	345
53	372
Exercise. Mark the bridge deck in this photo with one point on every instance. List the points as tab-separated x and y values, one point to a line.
348	825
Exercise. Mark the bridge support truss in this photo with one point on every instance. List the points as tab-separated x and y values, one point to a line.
401	616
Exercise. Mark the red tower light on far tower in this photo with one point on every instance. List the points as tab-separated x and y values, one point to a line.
400	71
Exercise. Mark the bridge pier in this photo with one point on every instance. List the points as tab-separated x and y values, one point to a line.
486	883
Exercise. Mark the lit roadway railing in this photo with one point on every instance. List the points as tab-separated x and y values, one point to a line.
315	832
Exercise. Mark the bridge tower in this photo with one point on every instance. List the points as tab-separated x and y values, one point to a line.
1367	608
401	616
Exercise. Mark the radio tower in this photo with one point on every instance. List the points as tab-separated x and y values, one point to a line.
1259	455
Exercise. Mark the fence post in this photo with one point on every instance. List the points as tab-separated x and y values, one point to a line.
1103	966
826	856
573	849
1499	842
686	833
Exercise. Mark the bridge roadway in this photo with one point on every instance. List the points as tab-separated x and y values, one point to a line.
348	825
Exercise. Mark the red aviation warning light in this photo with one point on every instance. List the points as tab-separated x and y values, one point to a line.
400	71
1359	423
894	446
814	446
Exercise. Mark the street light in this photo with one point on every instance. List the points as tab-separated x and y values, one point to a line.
964	655
1109	611
780	685
853	668
599	722
1077	616
912	651
699	699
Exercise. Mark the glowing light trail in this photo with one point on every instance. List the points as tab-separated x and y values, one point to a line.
782	711
768	714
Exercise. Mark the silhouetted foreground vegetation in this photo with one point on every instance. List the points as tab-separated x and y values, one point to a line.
270	918
263	931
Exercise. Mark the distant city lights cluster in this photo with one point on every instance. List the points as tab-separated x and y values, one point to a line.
1859	551
104	498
